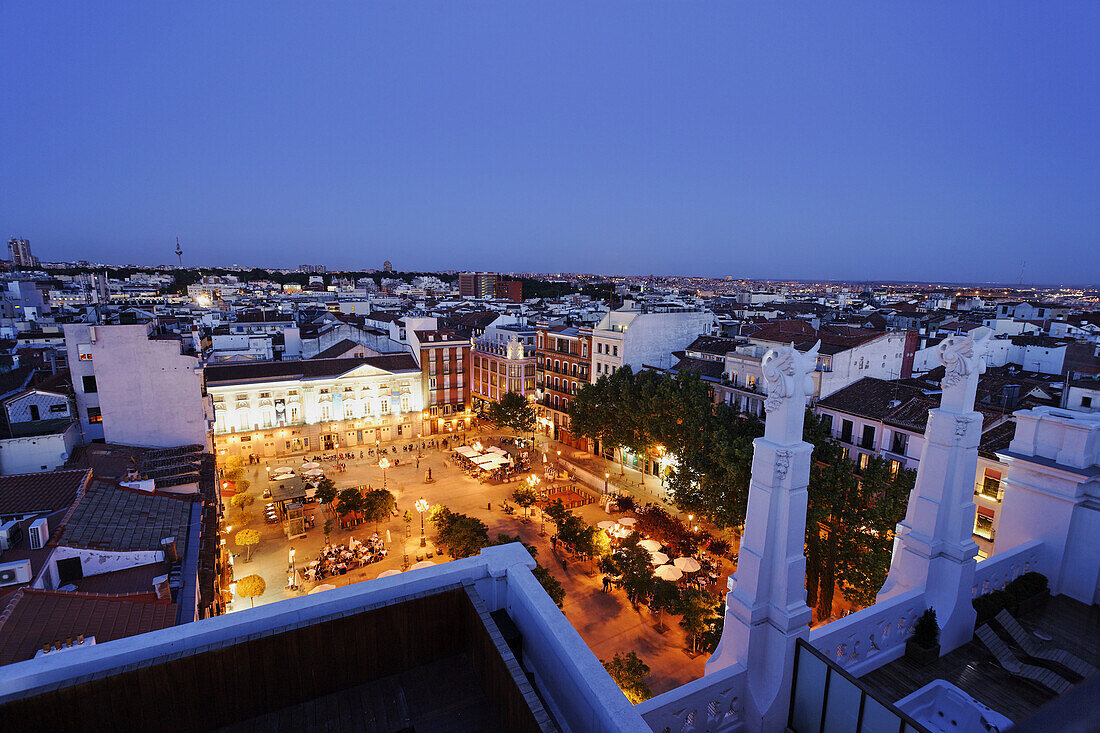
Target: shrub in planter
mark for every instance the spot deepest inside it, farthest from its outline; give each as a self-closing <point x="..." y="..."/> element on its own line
<point x="923" y="647"/>
<point x="1028" y="591"/>
<point x="990" y="604"/>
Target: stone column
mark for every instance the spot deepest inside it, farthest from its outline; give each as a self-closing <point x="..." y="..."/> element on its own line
<point x="934" y="548"/>
<point x="766" y="609"/>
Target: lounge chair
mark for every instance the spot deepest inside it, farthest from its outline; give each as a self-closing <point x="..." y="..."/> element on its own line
<point x="1034" y="648"/>
<point x="1045" y="677"/>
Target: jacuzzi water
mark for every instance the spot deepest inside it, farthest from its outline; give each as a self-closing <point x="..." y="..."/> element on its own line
<point x="943" y="708"/>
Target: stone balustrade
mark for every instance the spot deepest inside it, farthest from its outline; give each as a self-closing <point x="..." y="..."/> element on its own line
<point x="711" y="704"/>
<point x="1001" y="568"/>
<point x="867" y="639"/>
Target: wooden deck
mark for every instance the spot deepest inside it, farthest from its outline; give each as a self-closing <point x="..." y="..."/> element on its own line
<point x="1072" y="626"/>
<point x="443" y="694"/>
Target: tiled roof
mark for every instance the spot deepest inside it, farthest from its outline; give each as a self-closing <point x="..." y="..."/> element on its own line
<point x="714" y="345"/>
<point x="880" y="399"/>
<point x="305" y="369"/>
<point x="336" y="350"/>
<point x="126" y="520"/>
<point x="48" y="491"/>
<point x="35" y="617"/>
<point x="703" y="367"/>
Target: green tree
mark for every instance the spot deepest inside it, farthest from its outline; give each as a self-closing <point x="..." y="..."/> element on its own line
<point x="462" y="535"/>
<point x="629" y="672"/>
<point x="664" y="597"/>
<point x="326" y="491"/>
<point x="698" y="611"/>
<point x="632" y="562"/>
<point x="378" y="506"/>
<point x="514" y="412"/>
<point x="550" y="584"/>
<point x="241" y="502"/>
<point x="349" y="501"/>
<point x="525" y="496"/>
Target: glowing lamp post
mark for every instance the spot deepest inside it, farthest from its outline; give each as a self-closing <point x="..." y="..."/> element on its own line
<point x="384" y="464"/>
<point x="293" y="571"/>
<point x="421" y="507"/>
<point x="606" y="476"/>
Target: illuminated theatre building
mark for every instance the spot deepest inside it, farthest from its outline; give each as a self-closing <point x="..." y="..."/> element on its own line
<point x="283" y="407"/>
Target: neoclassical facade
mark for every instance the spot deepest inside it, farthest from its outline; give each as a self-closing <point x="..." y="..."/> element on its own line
<point x="277" y="408"/>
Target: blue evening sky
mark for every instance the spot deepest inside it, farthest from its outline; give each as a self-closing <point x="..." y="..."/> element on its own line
<point x="934" y="141"/>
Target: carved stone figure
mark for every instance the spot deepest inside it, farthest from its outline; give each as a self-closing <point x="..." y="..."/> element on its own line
<point x="963" y="360"/>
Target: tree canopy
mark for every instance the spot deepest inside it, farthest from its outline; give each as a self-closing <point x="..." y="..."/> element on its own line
<point x="251" y="587"/>
<point x="514" y="412"/>
<point x="629" y="672"/>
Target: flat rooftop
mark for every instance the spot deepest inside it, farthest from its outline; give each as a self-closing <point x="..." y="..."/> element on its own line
<point x="1072" y="626"/>
<point x="433" y="661"/>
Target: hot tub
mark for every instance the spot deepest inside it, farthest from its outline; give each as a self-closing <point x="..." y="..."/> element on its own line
<point x="943" y="708"/>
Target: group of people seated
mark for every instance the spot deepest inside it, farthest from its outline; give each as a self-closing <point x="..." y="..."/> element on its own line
<point x="338" y="559"/>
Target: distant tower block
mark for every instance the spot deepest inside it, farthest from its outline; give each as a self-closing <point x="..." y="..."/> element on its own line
<point x="387" y="266"/>
<point x="179" y="251"/>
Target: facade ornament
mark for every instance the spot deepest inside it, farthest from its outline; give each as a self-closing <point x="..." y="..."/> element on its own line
<point x="782" y="463"/>
<point x="963" y="360"/>
<point x="961" y="424"/>
<point x="785" y="370"/>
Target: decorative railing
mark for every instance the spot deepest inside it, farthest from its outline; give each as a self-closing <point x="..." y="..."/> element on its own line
<point x="713" y="703"/>
<point x="872" y="637"/>
<point x="1001" y="568"/>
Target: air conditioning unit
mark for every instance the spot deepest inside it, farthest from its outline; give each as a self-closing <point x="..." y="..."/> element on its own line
<point x="39" y="532"/>
<point x="10" y="534"/>
<point x="13" y="573"/>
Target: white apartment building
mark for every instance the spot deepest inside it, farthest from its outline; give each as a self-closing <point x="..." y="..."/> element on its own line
<point x="283" y="407"/>
<point x="136" y="387"/>
<point x="645" y="334"/>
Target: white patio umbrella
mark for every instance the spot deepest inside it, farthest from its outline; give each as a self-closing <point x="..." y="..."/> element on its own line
<point x="628" y="521"/>
<point x="315" y="472"/>
<point x="389" y="573"/>
<point x="283" y="472"/>
<point x="651" y="545"/>
<point x="326" y="586"/>
<point x="422" y="564"/>
<point x="658" y="558"/>
<point x="669" y="572"/>
<point x="607" y="524"/>
<point x="309" y="464"/>
<point x="687" y="564"/>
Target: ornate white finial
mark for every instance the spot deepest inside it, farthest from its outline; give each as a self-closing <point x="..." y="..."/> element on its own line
<point x="963" y="360"/>
<point x="788" y="383"/>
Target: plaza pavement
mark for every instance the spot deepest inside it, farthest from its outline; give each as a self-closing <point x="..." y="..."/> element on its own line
<point x="606" y="621"/>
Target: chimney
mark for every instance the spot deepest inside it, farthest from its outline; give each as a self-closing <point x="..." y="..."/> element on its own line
<point x="170" y="553"/>
<point x="160" y="585"/>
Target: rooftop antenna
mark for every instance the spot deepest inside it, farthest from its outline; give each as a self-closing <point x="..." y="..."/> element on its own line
<point x="1023" y="267"/>
<point x="179" y="251"/>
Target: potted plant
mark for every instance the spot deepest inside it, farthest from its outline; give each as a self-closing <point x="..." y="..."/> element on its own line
<point x="923" y="647"/>
<point x="990" y="604"/>
<point x="1029" y="592"/>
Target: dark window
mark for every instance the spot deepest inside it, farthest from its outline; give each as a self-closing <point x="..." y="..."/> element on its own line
<point x="34" y="413"/>
<point x="900" y="443"/>
<point x="69" y="570"/>
<point x="846" y="431"/>
<point x="89" y="385"/>
<point x="868" y="437"/>
<point x="827" y="422"/>
<point x="1086" y="402"/>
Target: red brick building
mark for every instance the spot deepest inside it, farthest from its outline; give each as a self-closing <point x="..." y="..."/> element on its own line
<point x="445" y="362"/>
<point x="564" y="358"/>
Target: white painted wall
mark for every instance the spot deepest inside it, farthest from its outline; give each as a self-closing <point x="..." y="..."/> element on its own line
<point x="39" y="452"/>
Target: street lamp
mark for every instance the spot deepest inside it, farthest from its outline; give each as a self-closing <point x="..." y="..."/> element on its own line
<point x="384" y="464"/>
<point x="421" y="507"/>
<point x="418" y="445"/>
<point x="606" y="476"/>
<point x="293" y="571"/>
